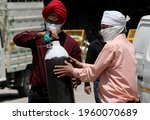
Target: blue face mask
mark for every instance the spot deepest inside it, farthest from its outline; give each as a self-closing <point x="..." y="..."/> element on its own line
<point x="52" y="26"/>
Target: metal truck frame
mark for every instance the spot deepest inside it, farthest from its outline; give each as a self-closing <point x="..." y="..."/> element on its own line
<point x="16" y="62"/>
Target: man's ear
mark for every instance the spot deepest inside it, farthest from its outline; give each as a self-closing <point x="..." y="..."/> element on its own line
<point x="63" y="23"/>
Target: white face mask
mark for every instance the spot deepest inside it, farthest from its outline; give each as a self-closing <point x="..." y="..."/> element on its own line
<point x="109" y="33"/>
<point x="53" y="26"/>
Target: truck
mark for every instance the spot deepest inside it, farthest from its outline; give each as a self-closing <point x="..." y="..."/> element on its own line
<point x="16" y="62"/>
<point x="141" y="42"/>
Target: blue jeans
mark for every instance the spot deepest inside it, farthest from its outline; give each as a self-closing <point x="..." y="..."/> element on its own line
<point x="95" y="86"/>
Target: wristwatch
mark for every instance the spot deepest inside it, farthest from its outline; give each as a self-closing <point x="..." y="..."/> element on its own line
<point x="47" y="36"/>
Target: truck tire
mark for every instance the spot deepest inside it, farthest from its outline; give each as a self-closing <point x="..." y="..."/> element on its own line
<point x="23" y="91"/>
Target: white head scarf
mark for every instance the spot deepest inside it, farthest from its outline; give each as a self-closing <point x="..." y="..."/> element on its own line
<point x="115" y="19"/>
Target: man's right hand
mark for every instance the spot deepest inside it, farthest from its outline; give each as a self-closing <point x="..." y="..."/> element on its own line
<point x="41" y="34"/>
<point x="54" y="34"/>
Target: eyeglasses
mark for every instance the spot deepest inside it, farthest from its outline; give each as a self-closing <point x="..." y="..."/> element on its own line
<point x="54" y="22"/>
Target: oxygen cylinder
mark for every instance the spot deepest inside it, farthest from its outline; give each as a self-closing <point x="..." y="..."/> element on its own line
<point x="60" y="90"/>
